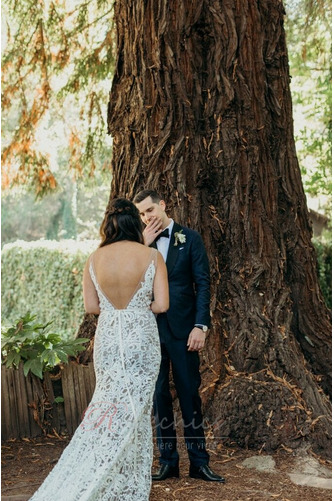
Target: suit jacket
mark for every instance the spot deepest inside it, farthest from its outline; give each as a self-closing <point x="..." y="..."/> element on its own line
<point x="189" y="284"/>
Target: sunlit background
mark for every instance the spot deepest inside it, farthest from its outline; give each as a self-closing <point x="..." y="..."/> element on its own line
<point x="57" y="69"/>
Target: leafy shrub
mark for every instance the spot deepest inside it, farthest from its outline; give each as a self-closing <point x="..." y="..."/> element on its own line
<point x="38" y="349"/>
<point x="45" y="277"/>
<point x="324" y="269"/>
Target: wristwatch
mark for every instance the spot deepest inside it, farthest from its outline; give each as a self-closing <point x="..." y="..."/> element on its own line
<point x="204" y="328"/>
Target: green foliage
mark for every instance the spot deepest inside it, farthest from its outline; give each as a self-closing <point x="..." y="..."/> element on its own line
<point x="324" y="269"/>
<point x="58" y="64"/>
<point x="38" y="349"/>
<point x="45" y="277"/>
<point x="308" y="27"/>
<point x="57" y="68"/>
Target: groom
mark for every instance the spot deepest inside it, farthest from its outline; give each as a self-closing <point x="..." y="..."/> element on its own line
<point x="182" y="333"/>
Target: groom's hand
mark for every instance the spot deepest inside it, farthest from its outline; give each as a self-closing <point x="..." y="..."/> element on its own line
<point x="152" y="230"/>
<point x="196" y="339"/>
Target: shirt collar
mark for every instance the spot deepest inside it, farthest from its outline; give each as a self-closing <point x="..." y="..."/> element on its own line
<point x="170" y="227"/>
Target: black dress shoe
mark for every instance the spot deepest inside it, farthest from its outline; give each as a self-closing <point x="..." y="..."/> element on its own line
<point x="166" y="471"/>
<point x="205" y="473"/>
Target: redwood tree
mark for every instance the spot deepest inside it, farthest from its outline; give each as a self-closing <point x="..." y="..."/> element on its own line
<point x="200" y="109"/>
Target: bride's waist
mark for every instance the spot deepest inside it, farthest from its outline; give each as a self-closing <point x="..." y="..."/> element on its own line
<point x="126" y="311"/>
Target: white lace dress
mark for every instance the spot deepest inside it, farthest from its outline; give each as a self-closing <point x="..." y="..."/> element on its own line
<point x="110" y="455"/>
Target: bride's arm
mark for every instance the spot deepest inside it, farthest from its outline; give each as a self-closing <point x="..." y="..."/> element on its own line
<point x="91" y="300"/>
<point x="160" y="303"/>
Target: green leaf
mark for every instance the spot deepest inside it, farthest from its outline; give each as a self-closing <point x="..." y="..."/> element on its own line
<point x="53" y="338"/>
<point x="35" y="366"/>
<point x="58" y="400"/>
<point x="29" y="353"/>
<point x="50" y="358"/>
<point x="80" y="340"/>
<point x="13" y="359"/>
<point x="62" y="355"/>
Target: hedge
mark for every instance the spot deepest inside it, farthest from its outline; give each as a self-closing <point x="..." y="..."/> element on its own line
<point x="324" y="269"/>
<point x="45" y="278"/>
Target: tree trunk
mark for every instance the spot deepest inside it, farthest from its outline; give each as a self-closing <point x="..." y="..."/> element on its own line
<point x="200" y="109"/>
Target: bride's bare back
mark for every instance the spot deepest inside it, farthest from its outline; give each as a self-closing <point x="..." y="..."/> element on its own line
<point x="119" y="269"/>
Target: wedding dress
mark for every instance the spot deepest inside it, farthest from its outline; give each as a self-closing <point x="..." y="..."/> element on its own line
<point x="110" y="455"/>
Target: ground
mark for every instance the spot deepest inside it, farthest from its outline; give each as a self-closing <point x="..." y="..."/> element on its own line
<point x="26" y="462"/>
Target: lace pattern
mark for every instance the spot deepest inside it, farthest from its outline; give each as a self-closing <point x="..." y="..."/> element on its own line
<point x="110" y="455"/>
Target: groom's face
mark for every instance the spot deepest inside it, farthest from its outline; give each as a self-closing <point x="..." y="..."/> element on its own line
<point x="150" y="210"/>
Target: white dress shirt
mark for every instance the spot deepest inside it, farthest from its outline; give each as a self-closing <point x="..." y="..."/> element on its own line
<point x="163" y="242"/>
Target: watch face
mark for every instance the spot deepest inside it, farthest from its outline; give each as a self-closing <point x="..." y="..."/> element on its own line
<point x="205" y="328"/>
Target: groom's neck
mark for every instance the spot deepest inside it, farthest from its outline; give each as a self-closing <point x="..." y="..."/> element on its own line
<point x="166" y="223"/>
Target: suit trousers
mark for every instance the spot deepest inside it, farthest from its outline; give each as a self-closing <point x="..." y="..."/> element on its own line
<point x="187" y="379"/>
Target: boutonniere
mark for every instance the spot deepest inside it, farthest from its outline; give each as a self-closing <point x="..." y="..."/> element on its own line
<point x="179" y="238"/>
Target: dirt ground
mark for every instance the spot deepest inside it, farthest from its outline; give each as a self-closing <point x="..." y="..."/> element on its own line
<point x="26" y="462"/>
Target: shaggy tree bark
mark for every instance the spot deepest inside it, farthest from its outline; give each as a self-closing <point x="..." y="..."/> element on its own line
<point x="200" y="109"/>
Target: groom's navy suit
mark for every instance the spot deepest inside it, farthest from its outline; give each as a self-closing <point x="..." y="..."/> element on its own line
<point x="189" y="291"/>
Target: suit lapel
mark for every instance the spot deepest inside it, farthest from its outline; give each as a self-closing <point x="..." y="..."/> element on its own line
<point x="173" y="250"/>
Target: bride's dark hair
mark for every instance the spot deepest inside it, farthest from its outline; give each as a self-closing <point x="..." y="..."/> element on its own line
<point x="121" y="222"/>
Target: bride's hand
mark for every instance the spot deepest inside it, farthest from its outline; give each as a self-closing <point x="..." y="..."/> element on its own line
<point x="152" y="230"/>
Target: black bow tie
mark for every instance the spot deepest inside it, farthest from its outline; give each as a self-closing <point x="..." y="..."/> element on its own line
<point x="164" y="233"/>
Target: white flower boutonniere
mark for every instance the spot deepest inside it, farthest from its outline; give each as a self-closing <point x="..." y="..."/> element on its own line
<point x="179" y="238"/>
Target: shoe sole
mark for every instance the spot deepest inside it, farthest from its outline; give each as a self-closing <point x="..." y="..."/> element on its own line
<point x="206" y="479"/>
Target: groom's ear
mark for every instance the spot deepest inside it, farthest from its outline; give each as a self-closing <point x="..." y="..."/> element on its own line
<point x="162" y="204"/>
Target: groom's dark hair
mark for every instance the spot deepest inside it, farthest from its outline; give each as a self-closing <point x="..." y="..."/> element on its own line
<point x="147" y="193"/>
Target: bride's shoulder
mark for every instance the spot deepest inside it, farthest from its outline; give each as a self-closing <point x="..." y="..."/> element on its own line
<point x="90" y="258"/>
<point x="144" y="253"/>
<point x="100" y="254"/>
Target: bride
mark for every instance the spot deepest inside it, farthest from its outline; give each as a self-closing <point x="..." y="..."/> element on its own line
<point x="110" y="455"/>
